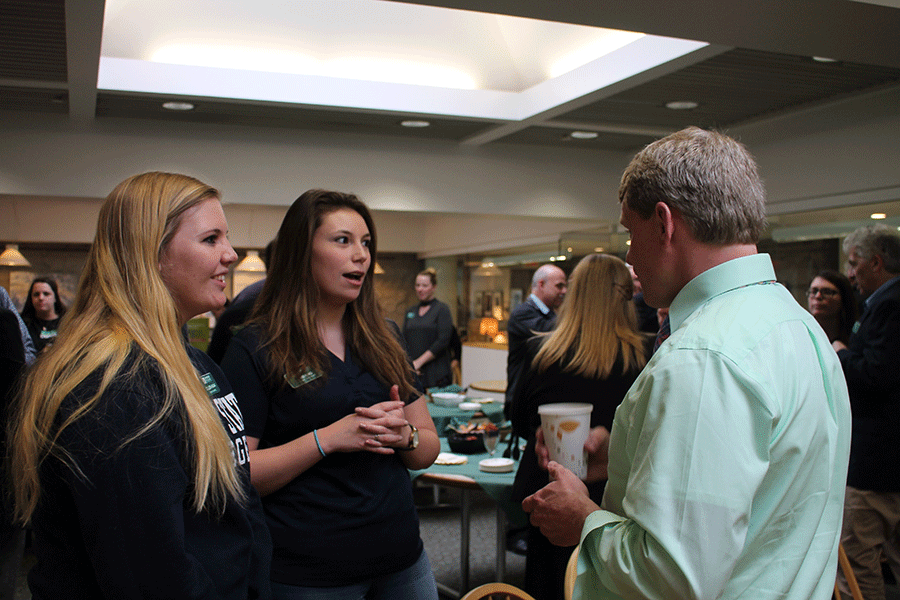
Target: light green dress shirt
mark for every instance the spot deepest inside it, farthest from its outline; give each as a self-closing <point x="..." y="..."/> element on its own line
<point x="728" y="456"/>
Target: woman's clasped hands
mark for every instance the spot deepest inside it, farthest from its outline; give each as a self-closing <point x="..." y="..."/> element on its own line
<point x="378" y="428"/>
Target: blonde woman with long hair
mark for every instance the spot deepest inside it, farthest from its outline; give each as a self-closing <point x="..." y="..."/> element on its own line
<point x="127" y="451"/>
<point x="334" y="421"/>
<point x="593" y="355"/>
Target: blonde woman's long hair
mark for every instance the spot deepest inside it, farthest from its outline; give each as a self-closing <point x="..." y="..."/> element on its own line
<point x="121" y="302"/>
<point x="288" y="303"/>
<point x="597" y="323"/>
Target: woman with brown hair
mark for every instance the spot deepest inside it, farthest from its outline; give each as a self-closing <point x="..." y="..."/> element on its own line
<point x="832" y="302"/>
<point x="428" y="331"/>
<point x="334" y="421"/>
<point x="593" y="355"/>
<point x="128" y="454"/>
<point x="43" y="311"/>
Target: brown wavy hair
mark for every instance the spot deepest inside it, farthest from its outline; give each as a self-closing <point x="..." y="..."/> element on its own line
<point x="288" y="303"/>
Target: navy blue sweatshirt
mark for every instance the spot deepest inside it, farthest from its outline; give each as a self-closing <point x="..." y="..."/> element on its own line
<point x="123" y="527"/>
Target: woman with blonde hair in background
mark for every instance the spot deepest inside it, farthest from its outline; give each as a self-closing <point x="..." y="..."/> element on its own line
<point x="128" y="454"/>
<point x="334" y="421"/>
<point x="593" y="355"/>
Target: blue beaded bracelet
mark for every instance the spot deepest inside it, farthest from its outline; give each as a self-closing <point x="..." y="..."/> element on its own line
<point x="318" y="445"/>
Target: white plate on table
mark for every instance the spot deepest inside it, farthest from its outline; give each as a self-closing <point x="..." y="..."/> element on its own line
<point x="469" y="406"/>
<point x="496" y="465"/>
<point x="447" y="398"/>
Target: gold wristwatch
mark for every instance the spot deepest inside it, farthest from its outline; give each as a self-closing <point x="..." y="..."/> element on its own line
<point x="413" y="438"/>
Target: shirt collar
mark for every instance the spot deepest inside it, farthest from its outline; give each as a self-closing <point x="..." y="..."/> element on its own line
<point x="722" y="278"/>
<point x="541" y="306"/>
<point x="881" y="289"/>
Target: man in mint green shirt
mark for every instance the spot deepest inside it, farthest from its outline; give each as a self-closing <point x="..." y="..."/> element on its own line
<point x="727" y="460"/>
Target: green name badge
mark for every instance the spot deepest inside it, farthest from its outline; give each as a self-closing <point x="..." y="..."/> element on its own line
<point x="304" y="378"/>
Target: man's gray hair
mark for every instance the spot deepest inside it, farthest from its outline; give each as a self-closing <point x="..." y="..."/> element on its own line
<point x="710" y="179"/>
<point x="870" y="240"/>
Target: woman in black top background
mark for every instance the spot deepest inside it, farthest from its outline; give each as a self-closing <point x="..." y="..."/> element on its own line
<point x="43" y="311"/>
<point x="428" y="329"/>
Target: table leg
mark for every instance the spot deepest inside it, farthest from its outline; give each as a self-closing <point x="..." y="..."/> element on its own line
<point x="464" y="540"/>
<point x="501" y="543"/>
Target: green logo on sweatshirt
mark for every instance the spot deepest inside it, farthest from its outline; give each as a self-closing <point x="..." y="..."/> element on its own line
<point x="212" y="388"/>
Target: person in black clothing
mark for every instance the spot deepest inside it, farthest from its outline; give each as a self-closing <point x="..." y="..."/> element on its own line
<point x="871" y="364"/>
<point x="593" y="355"/>
<point x="428" y="330"/>
<point x="7" y="303"/>
<point x="128" y="453"/>
<point x="646" y="315"/>
<point x="12" y="536"/>
<point x="334" y="420"/>
<point x="42" y="312"/>
<point x="536" y="314"/>
<point x="236" y="313"/>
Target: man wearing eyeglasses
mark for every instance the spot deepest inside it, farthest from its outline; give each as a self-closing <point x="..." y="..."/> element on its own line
<point x="871" y="363"/>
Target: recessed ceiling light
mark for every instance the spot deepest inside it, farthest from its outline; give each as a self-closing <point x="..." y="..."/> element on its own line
<point x="583" y="135"/>
<point x="414" y="123"/>
<point x="823" y="59"/>
<point x="178" y="106"/>
<point x="598" y="249"/>
<point x="682" y="105"/>
<point x="878" y="216"/>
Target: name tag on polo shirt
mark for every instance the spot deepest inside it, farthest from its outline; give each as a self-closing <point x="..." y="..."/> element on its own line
<point x="304" y="378"/>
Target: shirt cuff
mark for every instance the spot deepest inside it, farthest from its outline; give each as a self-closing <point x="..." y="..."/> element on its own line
<point x="597" y="520"/>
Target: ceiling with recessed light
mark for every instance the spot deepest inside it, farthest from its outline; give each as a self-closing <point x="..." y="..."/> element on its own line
<point x="479" y="72"/>
<point x="476" y="77"/>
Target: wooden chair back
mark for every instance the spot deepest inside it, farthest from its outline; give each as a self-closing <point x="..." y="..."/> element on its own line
<point x="497" y="591"/>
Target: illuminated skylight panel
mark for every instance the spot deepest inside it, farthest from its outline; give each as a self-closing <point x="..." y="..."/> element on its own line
<point x="389" y="56"/>
<point x="610" y="41"/>
<point x="368" y="40"/>
<point x="274" y="60"/>
<point x="232" y="56"/>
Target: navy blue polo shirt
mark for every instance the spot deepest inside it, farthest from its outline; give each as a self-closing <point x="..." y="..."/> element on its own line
<point x="351" y="516"/>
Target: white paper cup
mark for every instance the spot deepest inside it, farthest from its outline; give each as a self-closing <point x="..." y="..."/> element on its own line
<point x="566" y="426"/>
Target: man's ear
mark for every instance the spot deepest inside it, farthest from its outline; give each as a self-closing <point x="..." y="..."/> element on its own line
<point x="665" y="221"/>
<point x="877" y="263"/>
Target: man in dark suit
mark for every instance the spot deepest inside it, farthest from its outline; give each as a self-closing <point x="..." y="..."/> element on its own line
<point x="871" y="363"/>
<point x="537" y="313"/>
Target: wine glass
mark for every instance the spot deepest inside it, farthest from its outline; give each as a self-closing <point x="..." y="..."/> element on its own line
<point x="490" y="437"/>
